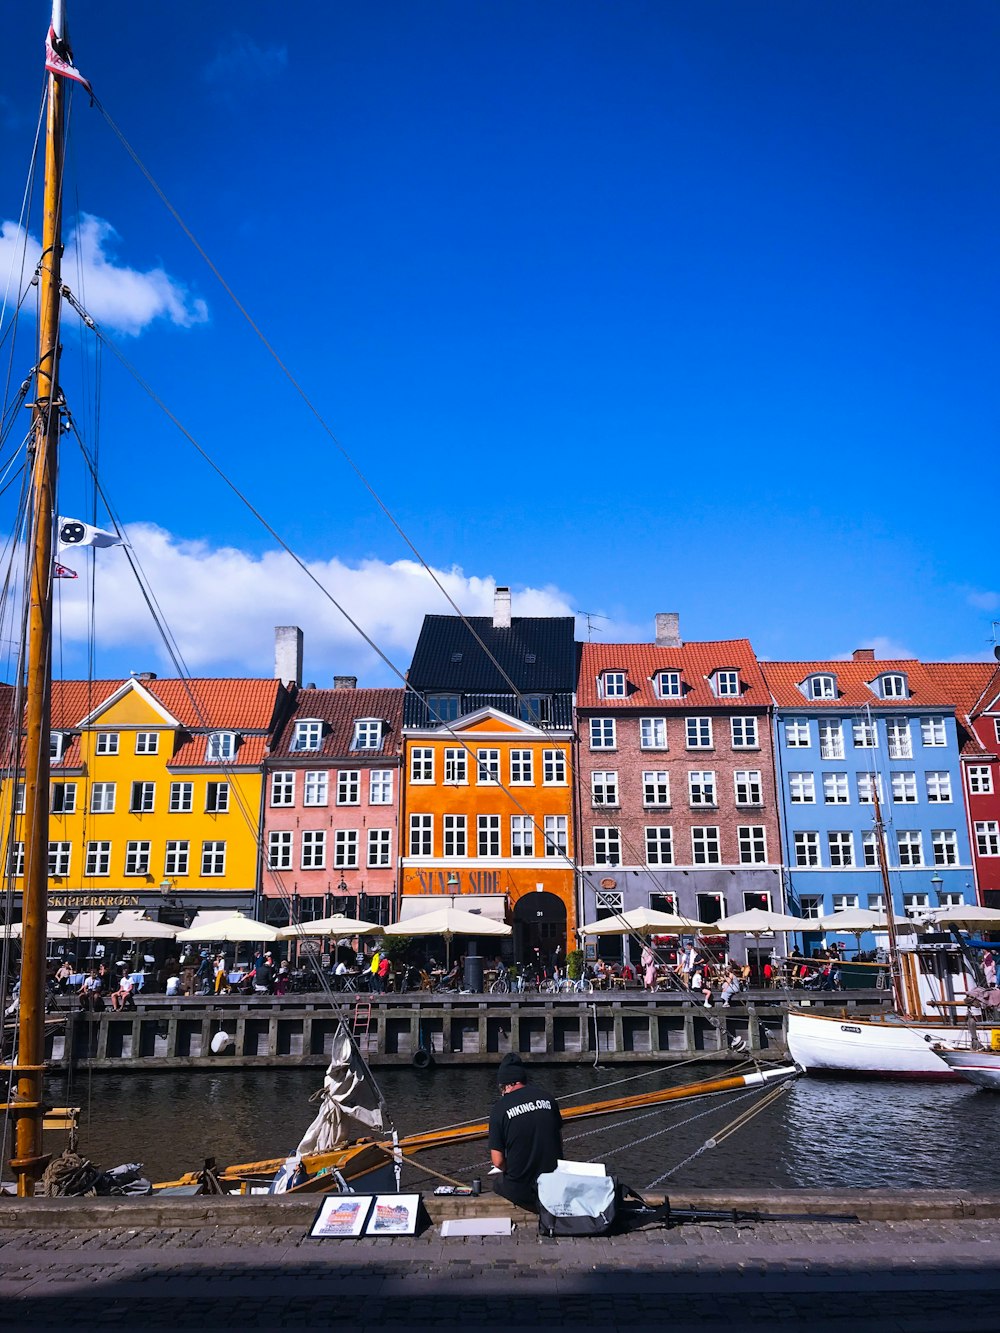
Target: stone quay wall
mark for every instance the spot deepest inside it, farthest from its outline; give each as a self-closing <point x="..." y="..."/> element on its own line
<point x="295" y="1030"/>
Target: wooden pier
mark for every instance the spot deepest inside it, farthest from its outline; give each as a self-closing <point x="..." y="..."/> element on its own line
<point x="266" y="1032"/>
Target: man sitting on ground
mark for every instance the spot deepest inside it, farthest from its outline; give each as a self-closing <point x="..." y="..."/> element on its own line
<point x="525" y="1134"/>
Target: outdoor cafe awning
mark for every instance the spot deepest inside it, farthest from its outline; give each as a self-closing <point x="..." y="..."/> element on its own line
<point x="490" y="905"/>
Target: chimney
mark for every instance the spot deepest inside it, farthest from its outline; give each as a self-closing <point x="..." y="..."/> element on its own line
<point x="668" y="629"/>
<point x="288" y="654"/>
<point x="345" y="682"/>
<point x="146" y="675"/>
<point x="863" y="655"/>
<point x="501" y="608"/>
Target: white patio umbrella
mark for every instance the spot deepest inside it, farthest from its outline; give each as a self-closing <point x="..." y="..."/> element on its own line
<point x="970" y="915"/>
<point x="54" y="930"/>
<point x="336" y="926"/>
<point x="448" y="922"/>
<point x="757" y="921"/>
<point x="133" y="925"/>
<point x="235" y="929"/>
<point x="645" y="921"/>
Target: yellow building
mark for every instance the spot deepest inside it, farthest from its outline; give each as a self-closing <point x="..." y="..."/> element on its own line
<point x="156" y="792"/>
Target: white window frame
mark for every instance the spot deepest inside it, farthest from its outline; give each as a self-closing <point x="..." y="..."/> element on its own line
<point x="280" y="849"/>
<point x="217" y="798"/>
<point x="806" y="849"/>
<point x="181" y="798"/>
<point x="702" y="788"/>
<point x="367" y="733"/>
<point x="98" y="861"/>
<point x="421" y="765"/>
<point x="522" y="835"/>
<point x="607" y="845"/>
<point x="142" y="798"/>
<point x="488" y="835"/>
<point x="748" y="787"/>
<point x="864" y="734"/>
<point x="669" y="685"/>
<point x="938" y="783"/>
<point x="213" y="858"/>
<point x="893" y="685"/>
<point x="137" y="854"/>
<point x="102" y="798"/>
<point x="831" y="738"/>
<point x="823" y="685"/>
<point x="106" y="743"/>
<point x="220" y="747"/>
<point x="705" y="845"/>
<point x="380" y="784"/>
<point x="797" y="734"/>
<point x="316" y="788"/>
<point x="346" y="849"/>
<point x="60" y="859"/>
<point x="379" y="853"/>
<point x="727" y="684"/>
<point x="698" y="733"/>
<point x="868" y="784"/>
<point x="869" y="849"/>
<point x="65" y="802"/>
<point x="283" y="788"/>
<point x="743" y="732"/>
<point x="556" y="833"/>
<point x="614" y="684"/>
<point x="177" y="857"/>
<point x="933" y="732"/>
<point x="802" y="787"/>
<point x="900" y="739"/>
<point x="313" y="849"/>
<point x="553" y="768"/>
<point x="840" y="849"/>
<point x="147" y="742"/>
<point x="944" y="847"/>
<point x="752" y="843"/>
<point x="522" y="768"/>
<point x="454" y="835"/>
<point x="836" y="789"/>
<point x="987" y="835"/>
<point x="487" y="767"/>
<point x="348" y="786"/>
<point x="603" y="733"/>
<point x="307" y="736"/>
<point x="655" y="787"/>
<point x="844" y="902"/>
<point x="910" y="848"/>
<point x="456" y="766"/>
<point x="653" y="733"/>
<point x="421" y="835"/>
<point x="916" y="902"/>
<point x="904" y="787"/>
<point x="980" y="780"/>
<point x="659" y="845"/>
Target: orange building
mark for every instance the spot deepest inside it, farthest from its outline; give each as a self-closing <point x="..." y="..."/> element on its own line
<point x="487" y="812"/>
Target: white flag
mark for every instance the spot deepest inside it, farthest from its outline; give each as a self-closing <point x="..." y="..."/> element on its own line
<point x="74" y="532"/>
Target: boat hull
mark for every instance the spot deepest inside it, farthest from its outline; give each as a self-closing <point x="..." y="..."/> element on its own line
<point x="979" y="1067"/>
<point x="873" y="1048"/>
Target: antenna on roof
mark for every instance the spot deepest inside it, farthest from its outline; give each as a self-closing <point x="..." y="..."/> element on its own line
<point x="591" y="616"/>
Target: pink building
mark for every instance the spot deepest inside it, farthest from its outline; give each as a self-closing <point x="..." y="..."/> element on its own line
<point x="331" y="806"/>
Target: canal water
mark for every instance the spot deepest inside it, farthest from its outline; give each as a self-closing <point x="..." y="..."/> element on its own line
<point x="820" y="1133"/>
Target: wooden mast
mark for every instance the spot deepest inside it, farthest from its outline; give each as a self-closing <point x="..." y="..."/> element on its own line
<point x="895" y="969"/>
<point x="29" y="1161"/>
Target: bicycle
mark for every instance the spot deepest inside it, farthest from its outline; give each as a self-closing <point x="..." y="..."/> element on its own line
<point x="581" y="986"/>
<point x="501" y="986"/>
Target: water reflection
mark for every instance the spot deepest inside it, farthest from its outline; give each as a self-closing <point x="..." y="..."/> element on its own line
<point x="819" y="1134"/>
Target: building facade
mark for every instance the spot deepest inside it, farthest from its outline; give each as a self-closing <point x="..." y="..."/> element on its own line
<point x="155" y="792"/>
<point x="677" y="807"/>
<point x="846" y="729"/>
<point x="488" y="773"/>
<point x="331" y="806"/>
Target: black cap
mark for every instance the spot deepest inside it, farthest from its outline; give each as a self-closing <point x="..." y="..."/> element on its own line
<point x="511" y="1070"/>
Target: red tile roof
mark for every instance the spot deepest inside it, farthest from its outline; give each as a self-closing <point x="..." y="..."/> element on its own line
<point x="969" y="685"/>
<point x="338" y="710"/>
<point x="853" y="690"/>
<point x="199" y="704"/>
<point x="695" y="661"/>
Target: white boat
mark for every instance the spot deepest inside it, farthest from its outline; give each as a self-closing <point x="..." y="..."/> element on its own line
<point x="979" y="1067"/>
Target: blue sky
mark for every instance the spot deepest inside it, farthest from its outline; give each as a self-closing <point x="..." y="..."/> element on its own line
<point x="635" y="307"/>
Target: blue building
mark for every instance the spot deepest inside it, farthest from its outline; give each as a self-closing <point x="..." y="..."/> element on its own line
<point x="843" y="730"/>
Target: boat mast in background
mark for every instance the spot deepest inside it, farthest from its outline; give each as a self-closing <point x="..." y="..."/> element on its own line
<point x="895" y="968"/>
<point x="28" y="1107"/>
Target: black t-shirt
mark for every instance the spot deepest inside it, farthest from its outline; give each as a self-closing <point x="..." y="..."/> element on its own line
<point x="525" y="1125"/>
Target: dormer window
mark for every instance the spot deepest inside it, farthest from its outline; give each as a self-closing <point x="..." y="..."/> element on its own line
<point x="615" y="684"/>
<point x="892" y="686"/>
<point x="220" y="747"/>
<point x="308" y="734"/>
<point x="668" y="684"/>
<point x="57" y="744"/>
<point x="536" y="708"/>
<point x="727" y="684"/>
<point x="444" y="707"/>
<point x="367" y="734"/>
<point x="821" y="687"/>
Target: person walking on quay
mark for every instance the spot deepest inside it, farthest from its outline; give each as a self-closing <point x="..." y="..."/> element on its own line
<point x="525" y="1135"/>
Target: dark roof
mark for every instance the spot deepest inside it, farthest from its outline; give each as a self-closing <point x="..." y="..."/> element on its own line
<point x="537" y="653"/>
<point x="338" y="710"/>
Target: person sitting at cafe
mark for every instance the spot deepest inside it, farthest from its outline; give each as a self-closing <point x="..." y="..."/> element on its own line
<point x="90" y="992"/>
<point x="63" y="974"/>
<point x="125" y="994"/>
<point x="730" y="986"/>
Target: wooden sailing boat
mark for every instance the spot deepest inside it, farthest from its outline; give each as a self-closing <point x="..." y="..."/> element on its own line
<point x="930" y="983"/>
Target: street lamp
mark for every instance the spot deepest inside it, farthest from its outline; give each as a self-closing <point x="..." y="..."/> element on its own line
<point x="936" y="882"/>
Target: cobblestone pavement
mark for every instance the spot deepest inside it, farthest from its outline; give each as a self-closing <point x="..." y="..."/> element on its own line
<point x="921" y="1277"/>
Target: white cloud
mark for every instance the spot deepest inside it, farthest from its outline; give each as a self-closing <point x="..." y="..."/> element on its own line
<point x="983" y="601"/>
<point x="222" y="605"/>
<point x="118" y="297"/>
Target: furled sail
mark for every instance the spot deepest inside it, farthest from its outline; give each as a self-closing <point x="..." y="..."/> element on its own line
<point x="350" y="1103"/>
